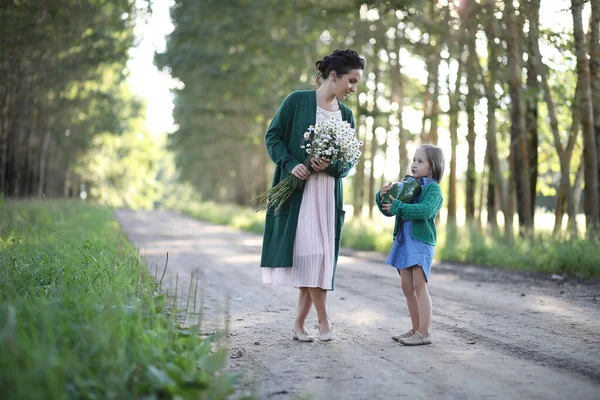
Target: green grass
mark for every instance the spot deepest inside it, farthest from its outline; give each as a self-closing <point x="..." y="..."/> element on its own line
<point x="574" y="257"/>
<point x="81" y="318"/>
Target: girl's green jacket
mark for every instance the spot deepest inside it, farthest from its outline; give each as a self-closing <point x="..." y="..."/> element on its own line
<point x="423" y="213"/>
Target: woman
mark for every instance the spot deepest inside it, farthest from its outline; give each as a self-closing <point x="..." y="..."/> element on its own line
<point x="301" y="242"/>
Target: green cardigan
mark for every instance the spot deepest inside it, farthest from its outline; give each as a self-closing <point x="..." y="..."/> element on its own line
<point x="423" y="213"/>
<point x="283" y="140"/>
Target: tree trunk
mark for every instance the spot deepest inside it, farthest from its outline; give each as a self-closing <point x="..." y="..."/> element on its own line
<point x="453" y="113"/>
<point x="595" y="76"/>
<point x="573" y="207"/>
<point x="495" y="181"/>
<point x="532" y="99"/>
<point x="431" y="103"/>
<point x="398" y="98"/>
<point x="519" y="153"/>
<point x="43" y="159"/>
<point x="403" y="153"/>
<point x="374" y="141"/>
<point x="4" y="141"/>
<point x="536" y="67"/>
<point x="263" y="181"/>
<point x="239" y="182"/>
<point x="467" y="19"/>
<point x="359" y="177"/>
<point x="471" y="176"/>
<point x="482" y="195"/>
<point x="565" y="194"/>
<point x="509" y="215"/>
<point x="371" y="188"/>
<point x="590" y="155"/>
<point x="384" y="148"/>
<point x="9" y="109"/>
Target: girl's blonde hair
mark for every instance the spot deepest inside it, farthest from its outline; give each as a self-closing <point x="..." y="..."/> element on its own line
<point x="435" y="157"/>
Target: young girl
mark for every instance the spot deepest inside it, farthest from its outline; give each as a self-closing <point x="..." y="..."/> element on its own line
<point x="414" y="240"/>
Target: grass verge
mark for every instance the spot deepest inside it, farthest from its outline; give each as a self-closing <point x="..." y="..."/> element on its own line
<point x="571" y="256"/>
<point x="81" y="318"/>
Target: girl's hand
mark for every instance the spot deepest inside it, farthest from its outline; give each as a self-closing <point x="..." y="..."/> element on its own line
<point x="319" y="164"/>
<point x="388" y="206"/>
<point x="301" y="172"/>
<point x="385" y="189"/>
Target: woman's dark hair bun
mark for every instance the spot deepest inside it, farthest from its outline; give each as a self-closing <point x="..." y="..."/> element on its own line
<point x="323" y="64"/>
<point x="340" y="61"/>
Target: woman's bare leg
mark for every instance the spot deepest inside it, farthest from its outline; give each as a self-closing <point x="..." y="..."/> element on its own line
<point x="406" y="280"/>
<point x="424" y="300"/>
<point x="304" y="306"/>
<point x="319" y="299"/>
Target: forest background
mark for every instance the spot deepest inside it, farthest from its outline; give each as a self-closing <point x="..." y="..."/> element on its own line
<point x="509" y="89"/>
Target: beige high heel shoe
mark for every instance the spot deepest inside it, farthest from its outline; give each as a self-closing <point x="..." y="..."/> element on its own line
<point x="302" y="337"/>
<point x="326" y="337"/>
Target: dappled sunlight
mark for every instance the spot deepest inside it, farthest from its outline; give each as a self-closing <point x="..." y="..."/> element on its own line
<point x="346" y="261"/>
<point x="242" y="259"/>
<point x="251" y="242"/>
<point x="498" y="300"/>
<point x="439" y="276"/>
<point x="362" y="317"/>
<point x="179" y="244"/>
<point x="561" y="308"/>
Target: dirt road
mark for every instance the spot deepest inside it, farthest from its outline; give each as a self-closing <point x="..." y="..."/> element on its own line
<point x="496" y="334"/>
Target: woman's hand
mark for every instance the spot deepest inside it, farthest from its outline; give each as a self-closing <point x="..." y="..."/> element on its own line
<point x="385" y="189"/>
<point x="319" y="164"/>
<point x="388" y="206"/>
<point x="301" y="172"/>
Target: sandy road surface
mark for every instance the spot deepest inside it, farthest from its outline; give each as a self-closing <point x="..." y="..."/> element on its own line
<point x="496" y="335"/>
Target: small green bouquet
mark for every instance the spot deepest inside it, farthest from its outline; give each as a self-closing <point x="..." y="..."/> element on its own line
<point x="405" y="190"/>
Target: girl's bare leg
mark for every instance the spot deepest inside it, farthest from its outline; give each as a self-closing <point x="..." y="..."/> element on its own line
<point x="406" y="279"/>
<point x="319" y="299"/>
<point x="304" y="306"/>
<point x="423" y="298"/>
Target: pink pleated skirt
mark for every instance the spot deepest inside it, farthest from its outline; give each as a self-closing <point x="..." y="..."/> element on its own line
<point x="314" y="246"/>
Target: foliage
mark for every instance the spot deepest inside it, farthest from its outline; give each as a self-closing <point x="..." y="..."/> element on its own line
<point x="81" y="318"/>
<point x="133" y="170"/>
<point x="61" y="73"/>
<point x="237" y="61"/>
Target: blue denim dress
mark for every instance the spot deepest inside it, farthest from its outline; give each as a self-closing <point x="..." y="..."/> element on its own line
<point x="407" y="251"/>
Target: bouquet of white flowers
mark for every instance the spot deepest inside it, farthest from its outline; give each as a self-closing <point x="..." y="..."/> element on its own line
<point x="329" y="140"/>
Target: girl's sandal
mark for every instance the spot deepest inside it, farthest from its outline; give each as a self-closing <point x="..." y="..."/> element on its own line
<point x="418" y="339"/>
<point x="403" y="336"/>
